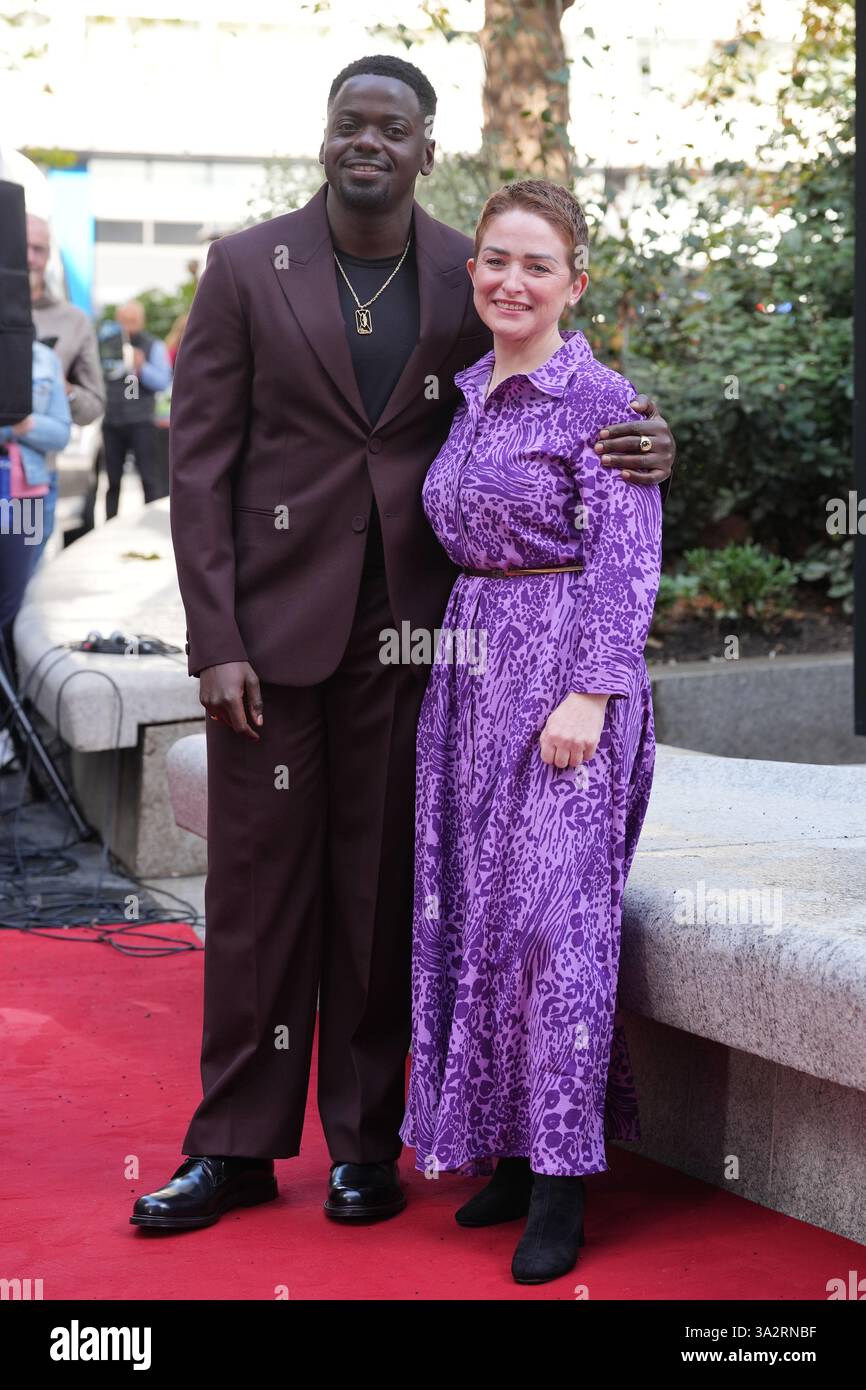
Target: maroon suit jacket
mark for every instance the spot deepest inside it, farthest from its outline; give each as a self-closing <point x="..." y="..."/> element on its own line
<point x="265" y="412"/>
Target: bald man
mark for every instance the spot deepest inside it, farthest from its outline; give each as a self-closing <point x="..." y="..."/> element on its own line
<point x="129" y="425"/>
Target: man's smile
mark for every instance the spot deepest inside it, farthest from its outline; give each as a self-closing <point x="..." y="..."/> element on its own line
<point x="365" y="168"/>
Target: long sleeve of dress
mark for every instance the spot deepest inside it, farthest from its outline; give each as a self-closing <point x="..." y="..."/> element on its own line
<point x="621" y="522"/>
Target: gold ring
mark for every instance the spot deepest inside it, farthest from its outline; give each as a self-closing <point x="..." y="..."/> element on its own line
<point x="645" y="443"/>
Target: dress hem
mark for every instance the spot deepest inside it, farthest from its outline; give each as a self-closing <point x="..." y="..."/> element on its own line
<point x="481" y="1163"/>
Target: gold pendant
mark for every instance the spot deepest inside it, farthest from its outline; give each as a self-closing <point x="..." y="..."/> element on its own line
<point x="363" y="321"/>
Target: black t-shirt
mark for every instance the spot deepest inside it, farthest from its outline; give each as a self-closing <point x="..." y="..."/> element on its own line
<point x="379" y="357"/>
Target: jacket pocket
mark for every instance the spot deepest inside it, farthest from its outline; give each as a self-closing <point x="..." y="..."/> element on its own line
<point x="36" y="469"/>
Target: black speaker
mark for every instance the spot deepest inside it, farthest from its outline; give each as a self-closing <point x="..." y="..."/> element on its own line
<point x="16" y="322"/>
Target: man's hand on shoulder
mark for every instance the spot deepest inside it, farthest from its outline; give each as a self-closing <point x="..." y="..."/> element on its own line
<point x="619" y="445"/>
<point x="231" y="694"/>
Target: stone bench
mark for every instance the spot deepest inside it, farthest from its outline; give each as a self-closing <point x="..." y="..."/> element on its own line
<point x="743" y="981"/>
<point x="743" y="975"/>
<point x="118" y="714"/>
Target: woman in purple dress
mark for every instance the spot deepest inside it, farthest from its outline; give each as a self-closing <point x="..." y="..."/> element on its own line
<point x="535" y="752"/>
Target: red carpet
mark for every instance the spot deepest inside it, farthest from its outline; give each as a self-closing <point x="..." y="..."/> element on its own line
<point x="100" y="1063"/>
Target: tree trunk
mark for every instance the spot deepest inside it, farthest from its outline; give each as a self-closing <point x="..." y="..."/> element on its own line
<point x="526" y="104"/>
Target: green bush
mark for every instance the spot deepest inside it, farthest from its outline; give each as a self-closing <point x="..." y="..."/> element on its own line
<point x="741" y="581"/>
<point x="674" y="589"/>
<point x="738" y="319"/>
<point x="831" y="562"/>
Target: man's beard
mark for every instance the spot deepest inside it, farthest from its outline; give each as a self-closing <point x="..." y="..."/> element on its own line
<point x="364" y="196"/>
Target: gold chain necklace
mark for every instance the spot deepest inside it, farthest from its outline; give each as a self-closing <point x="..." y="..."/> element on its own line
<point x="363" y="317"/>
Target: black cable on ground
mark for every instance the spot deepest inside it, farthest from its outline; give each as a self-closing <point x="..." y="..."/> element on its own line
<point x="90" y="916"/>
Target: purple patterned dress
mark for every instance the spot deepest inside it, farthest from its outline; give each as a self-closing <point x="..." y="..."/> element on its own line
<point x="520" y="866"/>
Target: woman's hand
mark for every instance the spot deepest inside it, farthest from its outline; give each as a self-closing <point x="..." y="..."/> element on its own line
<point x="571" y="734"/>
<point x="23" y="427"/>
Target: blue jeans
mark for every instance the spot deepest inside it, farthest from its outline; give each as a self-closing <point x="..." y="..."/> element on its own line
<point x="18" y="560"/>
<point x="49" y="506"/>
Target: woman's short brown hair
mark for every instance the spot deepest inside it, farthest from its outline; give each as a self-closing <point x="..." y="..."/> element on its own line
<point x="548" y="200"/>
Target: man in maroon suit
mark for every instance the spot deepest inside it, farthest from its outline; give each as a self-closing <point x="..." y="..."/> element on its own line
<point x="313" y="389"/>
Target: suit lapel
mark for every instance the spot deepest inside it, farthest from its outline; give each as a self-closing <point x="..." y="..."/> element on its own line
<point x="310" y="287"/>
<point x="309" y="284"/>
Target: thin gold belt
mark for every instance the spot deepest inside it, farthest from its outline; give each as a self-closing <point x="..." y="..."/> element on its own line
<point x="510" y="573"/>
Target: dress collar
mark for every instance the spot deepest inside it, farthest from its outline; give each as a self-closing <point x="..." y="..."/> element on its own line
<point x="552" y="376"/>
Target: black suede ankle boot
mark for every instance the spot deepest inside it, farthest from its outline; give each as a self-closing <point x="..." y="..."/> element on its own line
<point x="554" y="1230"/>
<point x="505" y="1197"/>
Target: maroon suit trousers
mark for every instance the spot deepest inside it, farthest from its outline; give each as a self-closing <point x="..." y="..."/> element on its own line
<point x="309" y="891"/>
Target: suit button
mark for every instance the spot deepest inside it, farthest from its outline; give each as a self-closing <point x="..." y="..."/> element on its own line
<point x="374" y="444"/>
<point x="359" y="523"/>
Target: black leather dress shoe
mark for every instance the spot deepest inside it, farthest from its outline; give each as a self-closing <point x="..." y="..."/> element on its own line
<point x="364" y="1192"/>
<point x="202" y="1189"/>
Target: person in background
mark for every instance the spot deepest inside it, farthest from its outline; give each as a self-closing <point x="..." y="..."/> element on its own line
<point x="72" y="335"/>
<point x="70" y="327"/>
<point x="26" y="450"/>
<point x="129" y="425"/>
